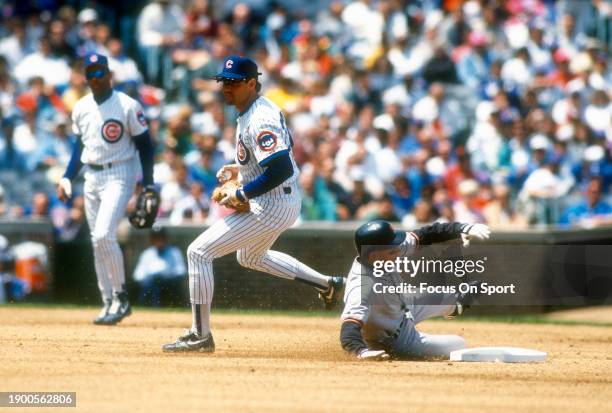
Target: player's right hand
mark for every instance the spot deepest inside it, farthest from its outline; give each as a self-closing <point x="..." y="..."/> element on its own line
<point x="227" y="173"/>
<point x="64" y="189"/>
<point x="373" y="355"/>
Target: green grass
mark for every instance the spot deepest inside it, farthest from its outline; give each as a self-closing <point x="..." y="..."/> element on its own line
<point x="511" y="319"/>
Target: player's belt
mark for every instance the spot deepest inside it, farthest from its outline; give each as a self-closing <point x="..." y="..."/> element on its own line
<point x="102" y="167"/>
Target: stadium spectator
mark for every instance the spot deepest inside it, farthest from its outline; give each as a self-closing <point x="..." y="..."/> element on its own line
<point x="126" y="76"/>
<point x="177" y="188"/>
<point x="40" y="208"/>
<point x="591" y="212"/>
<point x="160" y="272"/>
<point x="191" y="208"/>
<point x="42" y="63"/>
<point x="318" y="202"/>
<point x="69" y="222"/>
<point x="159" y="29"/>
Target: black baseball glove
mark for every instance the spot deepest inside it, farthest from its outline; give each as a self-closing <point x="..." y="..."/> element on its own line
<point x="146" y="209"/>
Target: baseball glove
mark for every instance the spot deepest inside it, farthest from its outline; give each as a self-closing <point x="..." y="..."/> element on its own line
<point x="232" y="185"/>
<point x="147" y="205"/>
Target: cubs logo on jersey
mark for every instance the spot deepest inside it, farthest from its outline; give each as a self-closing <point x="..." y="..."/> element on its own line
<point x="112" y="130"/>
<point x="267" y="141"/>
<point x="242" y="153"/>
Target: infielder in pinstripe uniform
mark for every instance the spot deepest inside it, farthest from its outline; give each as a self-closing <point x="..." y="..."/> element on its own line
<point x="268" y="172"/>
<point x="112" y="132"/>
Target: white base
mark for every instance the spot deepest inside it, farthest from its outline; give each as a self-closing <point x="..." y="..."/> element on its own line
<point x="498" y="354"/>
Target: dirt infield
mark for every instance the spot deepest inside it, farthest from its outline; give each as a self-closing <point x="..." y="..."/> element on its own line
<point x="290" y="363"/>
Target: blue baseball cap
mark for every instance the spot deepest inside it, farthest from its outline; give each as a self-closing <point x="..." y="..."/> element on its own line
<point x="238" y="68"/>
<point x="95" y="59"/>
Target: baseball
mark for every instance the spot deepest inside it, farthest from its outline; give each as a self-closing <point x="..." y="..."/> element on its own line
<point x="227" y="175"/>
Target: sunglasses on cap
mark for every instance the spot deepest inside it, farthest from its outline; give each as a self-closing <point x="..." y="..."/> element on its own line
<point x="96" y="74"/>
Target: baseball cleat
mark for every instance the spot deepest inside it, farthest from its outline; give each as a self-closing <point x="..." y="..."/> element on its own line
<point x="119" y="309"/>
<point x="465" y="300"/>
<point x="103" y="312"/>
<point x="191" y="342"/>
<point x="331" y="295"/>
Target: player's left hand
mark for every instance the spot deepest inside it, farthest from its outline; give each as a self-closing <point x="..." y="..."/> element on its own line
<point x="475" y="231"/>
<point x="231" y="197"/>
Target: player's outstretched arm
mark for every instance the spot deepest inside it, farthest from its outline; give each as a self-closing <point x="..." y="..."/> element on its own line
<point x="352" y="342"/>
<point x="441" y="232"/>
<point x="64" y="187"/>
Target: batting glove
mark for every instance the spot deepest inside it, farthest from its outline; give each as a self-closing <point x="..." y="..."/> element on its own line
<point x="227" y="172"/>
<point x="474" y="231"/>
<point x="66" y="186"/>
<point x="236" y="195"/>
<point x="373" y="355"/>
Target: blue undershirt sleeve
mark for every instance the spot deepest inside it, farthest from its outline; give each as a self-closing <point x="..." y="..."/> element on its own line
<point x="278" y="169"/>
<point x="144" y="144"/>
<point x="75" y="164"/>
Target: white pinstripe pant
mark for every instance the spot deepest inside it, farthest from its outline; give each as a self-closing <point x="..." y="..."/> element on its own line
<point x="107" y="193"/>
<point x="251" y="235"/>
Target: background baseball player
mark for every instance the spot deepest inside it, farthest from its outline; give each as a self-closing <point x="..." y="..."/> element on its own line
<point x="268" y="172"/>
<point x="375" y="329"/>
<point x="112" y="131"/>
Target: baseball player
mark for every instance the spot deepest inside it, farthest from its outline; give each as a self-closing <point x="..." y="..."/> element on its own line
<point x="112" y="135"/>
<point x="375" y="329"/>
<point x="268" y="173"/>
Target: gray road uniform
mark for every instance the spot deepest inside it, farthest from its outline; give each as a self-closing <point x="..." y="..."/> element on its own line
<point x="388" y="321"/>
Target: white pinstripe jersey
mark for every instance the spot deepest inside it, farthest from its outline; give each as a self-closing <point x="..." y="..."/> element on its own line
<point x="106" y="129"/>
<point x="262" y="134"/>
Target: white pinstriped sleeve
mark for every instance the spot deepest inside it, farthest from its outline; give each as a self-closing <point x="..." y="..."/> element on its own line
<point x="268" y="137"/>
<point x="137" y="123"/>
<point x="75" y="121"/>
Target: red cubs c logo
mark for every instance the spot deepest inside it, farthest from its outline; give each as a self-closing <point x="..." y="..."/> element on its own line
<point x="242" y="153"/>
<point x="112" y="131"/>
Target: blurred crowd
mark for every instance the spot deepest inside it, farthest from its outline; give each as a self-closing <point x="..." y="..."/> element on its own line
<point x="407" y="110"/>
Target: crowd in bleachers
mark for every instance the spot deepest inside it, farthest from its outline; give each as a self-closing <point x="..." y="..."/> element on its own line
<point x="408" y="110"/>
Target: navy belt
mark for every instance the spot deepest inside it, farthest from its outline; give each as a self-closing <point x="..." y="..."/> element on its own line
<point x="100" y="167"/>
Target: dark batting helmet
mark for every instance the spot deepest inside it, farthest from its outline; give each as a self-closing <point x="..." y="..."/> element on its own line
<point x="377" y="233"/>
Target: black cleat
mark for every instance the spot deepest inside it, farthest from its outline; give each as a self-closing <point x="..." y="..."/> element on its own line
<point x="119" y="309"/>
<point x="191" y="342"/>
<point x="465" y="300"/>
<point x="103" y="312"/>
<point x="332" y="294"/>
